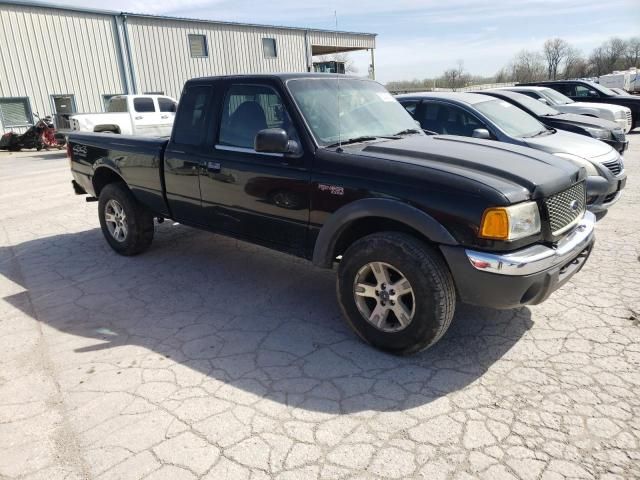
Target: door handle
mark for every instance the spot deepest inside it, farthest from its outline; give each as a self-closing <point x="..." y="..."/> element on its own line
<point x="164" y="116"/>
<point x="138" y="118"/>
<point x="213" y="167"/>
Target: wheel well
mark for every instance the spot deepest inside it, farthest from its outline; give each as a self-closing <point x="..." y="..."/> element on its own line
<point x="366" y="226"/>
<point x="107" y="128"/>
<point x="103" y="177"/>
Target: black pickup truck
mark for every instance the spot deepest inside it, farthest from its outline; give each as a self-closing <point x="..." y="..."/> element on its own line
<point x="333" y="169"/>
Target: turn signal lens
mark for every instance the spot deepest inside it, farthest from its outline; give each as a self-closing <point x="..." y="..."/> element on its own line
<point x="510" y="223"/>
<point x="495" y="224"/>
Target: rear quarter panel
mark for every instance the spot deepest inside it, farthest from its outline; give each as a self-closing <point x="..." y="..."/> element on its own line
<point x="136" y="160"/>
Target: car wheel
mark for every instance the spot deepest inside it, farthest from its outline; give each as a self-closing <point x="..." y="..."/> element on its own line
<point x="126" y="225"/>
<point x="396" y="292"/>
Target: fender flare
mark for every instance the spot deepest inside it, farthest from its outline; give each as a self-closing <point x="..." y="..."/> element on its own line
<point x="101" y="165"/>
<point x="375" y="207"/>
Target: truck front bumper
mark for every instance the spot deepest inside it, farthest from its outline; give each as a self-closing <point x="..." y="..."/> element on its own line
<point x="524" y="277"/>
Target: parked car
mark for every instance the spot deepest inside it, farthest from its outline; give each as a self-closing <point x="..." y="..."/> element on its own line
<point x="608" y="132"/>
<point x="413" y="222"/>
<point x="141" y="115"/>
<point x="481" y="116"/>
<point x="589" y="92"/>
<point x="562" y="103"/>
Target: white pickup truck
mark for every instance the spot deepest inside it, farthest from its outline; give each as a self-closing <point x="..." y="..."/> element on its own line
<point x="142" y="115"/>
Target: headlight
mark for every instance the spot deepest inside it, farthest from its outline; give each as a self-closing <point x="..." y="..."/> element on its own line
<point x="620" y="114"/>
<point x="510" y="223"/>
<point x="581" y="162"/>
<point x="599" y="133"/>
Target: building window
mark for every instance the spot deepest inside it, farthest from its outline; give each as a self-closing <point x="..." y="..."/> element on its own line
<point x="63" y="104"/>
<point x="269" y="48"/>
<point x="198" y="46"/>
<point x="143" y="105"/>
<point x="15" y="112"/>
<point x="158" y="92"/>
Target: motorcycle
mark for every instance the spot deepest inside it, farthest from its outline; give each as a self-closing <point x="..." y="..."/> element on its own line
<point x="40" y="135"/>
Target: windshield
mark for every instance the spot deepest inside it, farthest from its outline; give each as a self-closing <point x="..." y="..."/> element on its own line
<point x="342" y="109"/>
<point x="536" y="106"/>
<point x="602" y="89"/>
<point x="510" y="119"/>
<point x="554" y="97"/>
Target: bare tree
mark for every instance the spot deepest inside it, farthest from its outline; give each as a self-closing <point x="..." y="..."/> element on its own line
<point x="528" y="66"/>
<point x="555" y="51"/>
<point x="632" y="53"/>
<point x="455" y="77"/>
<point x="341" y="57"/>
<point x="575" y="66"/>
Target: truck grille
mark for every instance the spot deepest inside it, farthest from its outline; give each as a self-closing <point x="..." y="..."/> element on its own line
<point x="566" y="208"/>
<point x="615" y="166"/>
<point x="629" y="118"/>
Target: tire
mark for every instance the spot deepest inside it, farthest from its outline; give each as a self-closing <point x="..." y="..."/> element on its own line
<point x="136" y="231"/>
<point x="431" y="302"/>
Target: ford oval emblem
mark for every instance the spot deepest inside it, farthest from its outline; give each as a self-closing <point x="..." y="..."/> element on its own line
<point x="574" y="205"/>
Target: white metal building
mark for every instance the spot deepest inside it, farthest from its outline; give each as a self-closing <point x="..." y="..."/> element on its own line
<point x="58" y="59"/>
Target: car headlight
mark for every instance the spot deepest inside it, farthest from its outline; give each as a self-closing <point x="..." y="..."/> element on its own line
<point x="620" y="114"/>
<point x="510" y="223"/>
<point x="599" y="133"/>
<point x="581" y="162"/>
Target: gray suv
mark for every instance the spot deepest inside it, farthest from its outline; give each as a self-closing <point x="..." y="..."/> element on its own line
<point x="481" y="116"/>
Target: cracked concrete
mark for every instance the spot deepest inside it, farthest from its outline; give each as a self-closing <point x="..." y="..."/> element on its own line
<point x="210" y="358"/>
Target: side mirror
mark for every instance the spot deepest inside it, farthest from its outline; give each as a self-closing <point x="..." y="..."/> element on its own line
<point x="275" y="140"/>
<point x="544" y="100"/>
<point x="481" y="133"/>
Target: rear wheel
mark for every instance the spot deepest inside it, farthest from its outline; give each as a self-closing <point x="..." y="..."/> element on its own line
<point x="126" y="225"/>
<point x="396" y="292"/>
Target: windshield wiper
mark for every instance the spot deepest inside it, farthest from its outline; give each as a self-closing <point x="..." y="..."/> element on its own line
<point x="363" y="138"/>
<point x="408" y="131"/>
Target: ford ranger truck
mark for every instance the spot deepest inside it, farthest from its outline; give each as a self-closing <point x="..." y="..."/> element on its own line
<point x="334" y="170"/>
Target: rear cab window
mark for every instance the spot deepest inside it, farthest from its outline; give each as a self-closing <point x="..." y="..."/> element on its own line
<point x="117" y="105"/>
<point x="191" y="120"/>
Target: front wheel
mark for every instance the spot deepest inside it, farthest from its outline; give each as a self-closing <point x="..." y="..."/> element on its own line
<point x="396" y="292"/>
<point x="126" y="225"/>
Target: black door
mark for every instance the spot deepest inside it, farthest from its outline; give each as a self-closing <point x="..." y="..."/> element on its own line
<point x="258" y="196"/>
<point x="187" y="153"/>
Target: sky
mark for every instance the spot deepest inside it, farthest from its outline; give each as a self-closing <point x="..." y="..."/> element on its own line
<point x="421" y="38"/>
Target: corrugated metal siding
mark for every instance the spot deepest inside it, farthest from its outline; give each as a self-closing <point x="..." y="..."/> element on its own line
<point x="49" y="51"/>
<point x="347" y="40"/>
<point x="162" y="60"/>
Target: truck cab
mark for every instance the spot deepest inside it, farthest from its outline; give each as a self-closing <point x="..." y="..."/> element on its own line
<point x="333" y="169"/>
<point x="139" y="115"/>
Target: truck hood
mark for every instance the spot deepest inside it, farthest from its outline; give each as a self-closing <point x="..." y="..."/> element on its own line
<point x="568" y="142"/>
<point x="519" y="173"/>
<point x="600" y="106"/>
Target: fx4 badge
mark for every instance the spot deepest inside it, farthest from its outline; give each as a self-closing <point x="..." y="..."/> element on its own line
<point x="332" y="189"/>
<point x="80" y="150"/>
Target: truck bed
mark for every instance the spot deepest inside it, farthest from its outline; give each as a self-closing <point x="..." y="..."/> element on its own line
<point x="138" y="160"/>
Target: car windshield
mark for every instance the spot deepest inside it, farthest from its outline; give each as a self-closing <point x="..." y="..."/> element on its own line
<point x="536" y="106"/>
<point x="602" y="89"/>
<point x="339" y="110"/>
<point x="554" y="97"/>
<point x="510" y="119"/>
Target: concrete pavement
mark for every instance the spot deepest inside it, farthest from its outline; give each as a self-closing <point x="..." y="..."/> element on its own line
<point x="210" y="358"/>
